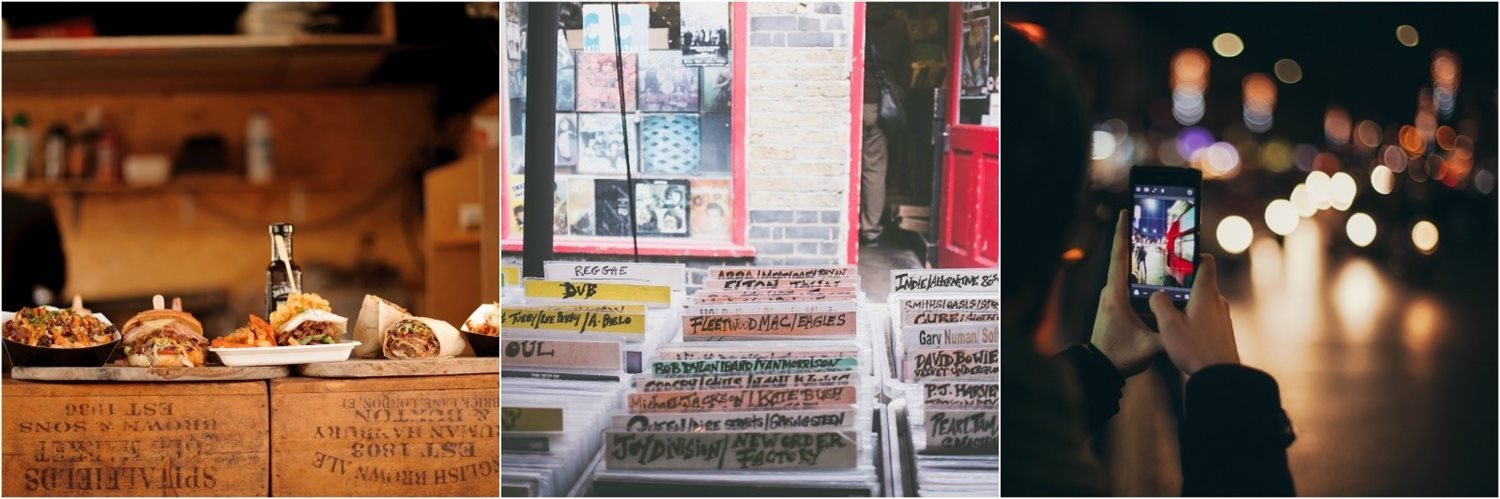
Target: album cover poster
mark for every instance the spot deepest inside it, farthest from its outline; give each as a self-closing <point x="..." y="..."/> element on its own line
<point x="661" y="207"/>
<point x="714" y="142"/>
<point x="710" y="208"/>
<point x="517" y="154"/>
<point x="667" y="85"/>
<point x="705" y="33"/>
<point x="581" y="206"/>
<point x="567" y="140"/>
<point x="716" y="91"/>
<point x="599" y="24"/>
<point x="517" y="203"/>
<point x="598" y="90"/>
<point x="560" y="206"/>
<point x="669" y="143"/>
<point x="602" y="144"/>
<point x="567" y="74"/>
<point x="515" y="43"/>
<point x="611" y="207"/>
<point x="976" y="59"/>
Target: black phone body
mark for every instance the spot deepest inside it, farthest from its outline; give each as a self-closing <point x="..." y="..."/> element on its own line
<point x="1164" y="233"/>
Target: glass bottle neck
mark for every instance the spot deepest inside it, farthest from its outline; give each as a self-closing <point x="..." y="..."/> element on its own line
<point x="276" y="255"/>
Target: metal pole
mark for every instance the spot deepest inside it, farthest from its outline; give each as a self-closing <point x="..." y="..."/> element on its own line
<point x="541" y="135"/>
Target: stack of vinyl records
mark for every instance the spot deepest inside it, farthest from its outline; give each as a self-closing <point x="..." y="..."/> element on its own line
<point x="770" y="392"/>
<point x="569" y="345"/>
<point x="944" y="333"/>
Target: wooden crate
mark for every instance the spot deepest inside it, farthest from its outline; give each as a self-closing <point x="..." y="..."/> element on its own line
<point x="135" y="439"/>
<point x="406" y="436"/>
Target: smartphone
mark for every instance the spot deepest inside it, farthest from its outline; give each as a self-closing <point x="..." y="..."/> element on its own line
<point x="1164" y="225"/>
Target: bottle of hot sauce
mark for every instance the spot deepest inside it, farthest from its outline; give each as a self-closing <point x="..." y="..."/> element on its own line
<point x="278" y="283"/>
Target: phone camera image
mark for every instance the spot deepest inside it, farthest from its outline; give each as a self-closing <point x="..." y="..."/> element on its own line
<point x="1164" y="239"/>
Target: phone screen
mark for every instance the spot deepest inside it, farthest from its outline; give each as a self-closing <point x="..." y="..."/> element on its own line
<point x="1163" y="240"/>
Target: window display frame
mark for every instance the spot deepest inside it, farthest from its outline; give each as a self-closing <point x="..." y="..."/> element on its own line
<point x="735" y="247"/>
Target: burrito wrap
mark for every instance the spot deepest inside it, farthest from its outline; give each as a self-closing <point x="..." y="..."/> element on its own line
<point x="375" y="315"/>
<point x="420" y="337"/>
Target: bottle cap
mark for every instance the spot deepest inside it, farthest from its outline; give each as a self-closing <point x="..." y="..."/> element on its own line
<point x="281" y="229"/>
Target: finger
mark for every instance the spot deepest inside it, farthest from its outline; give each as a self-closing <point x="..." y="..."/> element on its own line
<point x="1119" y="256"/>
<point x="1207" y="280"/>
<point x="1166" y="313"/>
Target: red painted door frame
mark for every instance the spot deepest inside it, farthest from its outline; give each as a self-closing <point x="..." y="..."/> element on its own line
<point x="856" y="127"/>
<point x="968" y="222"/>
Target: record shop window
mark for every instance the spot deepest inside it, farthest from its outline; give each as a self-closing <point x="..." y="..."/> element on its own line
<point x="677" y="62"/>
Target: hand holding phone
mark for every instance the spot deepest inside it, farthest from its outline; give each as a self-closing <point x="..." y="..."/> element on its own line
<point x="1163" y="234"/>
<point x="1204" y="336"/>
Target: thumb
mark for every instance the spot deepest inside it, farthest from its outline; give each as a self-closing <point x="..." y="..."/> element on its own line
<point x="1166" y="313"/>
<point x="1207" y="279"/>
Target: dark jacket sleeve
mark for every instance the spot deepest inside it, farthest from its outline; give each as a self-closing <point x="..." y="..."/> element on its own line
<point x="1234" y="436"/>
<point x="1100" y="383"/>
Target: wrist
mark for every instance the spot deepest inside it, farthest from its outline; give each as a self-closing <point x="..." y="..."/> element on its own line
<point x="1111" y="361"/>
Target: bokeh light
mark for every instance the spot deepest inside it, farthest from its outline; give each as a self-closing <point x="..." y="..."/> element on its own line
<point x="1395" y="158"/>
<point x="1341" y="191"/>
<point x="1446" y="137"/>
<point x="1228" y="45"/>
<point x="1260" y="101"/>
<point x="1382" y="180"/>
<point x="1281" y="217"/>
<point x="1367" y="134"/>
<point x="1234" y="234"/>
<point x="1288" y="71"/>
<point x="1104" y="145"/>
<point x="1276" y="156"/>
<point x="1361" y="229"/>
<point x="1407" y="35"/>
<point x="1411" y="141"/>
<point x="1484" y="182"/>
<point x="1319" y="191"/>
<point x="1217" y="160"/>
<point x="1336" y="126"/>
<point x="1304" y="156"/>
<point x="1306" y="207"/>
<point x="1424" y="235"/>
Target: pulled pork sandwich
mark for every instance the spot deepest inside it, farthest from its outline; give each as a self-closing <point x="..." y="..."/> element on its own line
<point x="375" y="315"/>
<point x="313" y="327"/>
<point x="420" y="338"/>
<point x="296" y="304"/>
<point x="57" y="328"/>
<point x="164" y="338"/>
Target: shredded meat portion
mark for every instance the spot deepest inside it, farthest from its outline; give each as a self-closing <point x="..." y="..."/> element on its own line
<point x="411" y="339"/>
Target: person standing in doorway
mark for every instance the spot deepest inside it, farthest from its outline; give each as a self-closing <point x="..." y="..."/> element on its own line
<point x="887" y="53"/>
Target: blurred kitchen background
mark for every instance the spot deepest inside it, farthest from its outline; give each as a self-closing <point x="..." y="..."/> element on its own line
<point x="162" y="139"/>
<point x="1349" y="157"/>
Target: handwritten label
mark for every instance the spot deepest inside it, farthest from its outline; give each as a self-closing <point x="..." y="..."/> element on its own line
<point x="540" y="291"/>
<point x="945" y="281"/>
<point x="969" y="333"/>
<point x="660" y="274"/>
<point x="736" y="421"/>
<point x="753" y="283"/>
<point x="726" y="366"/>
<point x="963" y="432"/>
<point x="836" y="271"/>
<point x="510" y="275"/>
<point x="758" y="399"/>
<point x="580" y="354"/>
<point x="776" y="324"/>
<point x="531" y="419"/>
<point x="571" y="320"/>
<point x="731" y="451"/>
<point x="960" y="394"/>
<point x="919" y="317"/>
<point x="982" y="363"/>
<point x="970" y="303"/>
<point x="716" y="382"/>
<point x="775" y="295"/>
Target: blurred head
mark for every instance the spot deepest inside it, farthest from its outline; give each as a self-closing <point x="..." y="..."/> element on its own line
<point x="1043" y="161"/>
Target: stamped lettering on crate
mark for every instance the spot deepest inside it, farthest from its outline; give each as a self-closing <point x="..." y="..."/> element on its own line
<point x="736" y="421"/>
<point x="944" y="281"/>
<point x="772" y="324"/>
<point x="392" y="442"/>
<point x="137" y="445"/>
<point x="961" y="394"/>
<point x="963" y="431"/>
<point x="760" y="399"/>
<point x="730" y="451"/>
<point x="520" y="352"/>
<point x="739" y="366"/>
<point x="965" y="333"/>
<point x="981" y="363"/>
